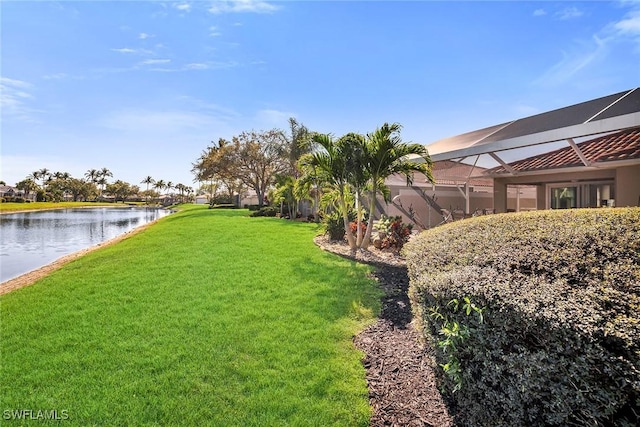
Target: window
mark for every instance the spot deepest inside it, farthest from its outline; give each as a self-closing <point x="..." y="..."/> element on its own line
<point x="583" y="195"/>
<point x="564" y="198"/>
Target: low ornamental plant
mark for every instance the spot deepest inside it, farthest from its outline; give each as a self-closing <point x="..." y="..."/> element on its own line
<point x="353" y="226"/>
<point x="334" y="226"/>
<point x="393" y="232"/>
<point x="559" y="340"/>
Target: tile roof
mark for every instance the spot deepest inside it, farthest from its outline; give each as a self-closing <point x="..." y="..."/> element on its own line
<point x="624" y="145"/>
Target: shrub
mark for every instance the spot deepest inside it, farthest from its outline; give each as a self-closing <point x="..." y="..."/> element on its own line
<point x="559" y="342"/>
<point x="265" y="211"/>
<point x="393" y="231"/>
<point x="334" y="225"/>
<point x="222" y="206"/>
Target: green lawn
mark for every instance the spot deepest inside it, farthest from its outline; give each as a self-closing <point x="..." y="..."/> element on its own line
<point x="208" y="317"/>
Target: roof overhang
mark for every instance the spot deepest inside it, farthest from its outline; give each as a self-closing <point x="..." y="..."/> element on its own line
<point x="599" y="116"/>
<point x="576" y="131"/>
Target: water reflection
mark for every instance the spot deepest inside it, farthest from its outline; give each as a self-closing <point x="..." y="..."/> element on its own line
<point x="30" y="240"/>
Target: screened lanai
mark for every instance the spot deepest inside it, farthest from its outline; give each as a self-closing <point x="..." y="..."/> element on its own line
<point x="609" y="178"/>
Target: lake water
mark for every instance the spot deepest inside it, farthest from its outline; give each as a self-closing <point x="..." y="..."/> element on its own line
<point x="31" y="240"/>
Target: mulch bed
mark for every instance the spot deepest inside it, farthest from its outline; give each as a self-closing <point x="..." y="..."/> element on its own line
<point x="402" y="383"/>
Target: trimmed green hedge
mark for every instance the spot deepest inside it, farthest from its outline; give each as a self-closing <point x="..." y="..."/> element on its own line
<point x="550" y="332"/>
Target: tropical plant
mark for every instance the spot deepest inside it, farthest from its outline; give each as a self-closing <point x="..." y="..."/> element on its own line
<point x="147" y="180"/>
<point x="387" y="155"/>
<point x="330" y="166"/>
<point x="160" y="185"/>
<point x="27" y="186"/>
<point x="44" y="175"/>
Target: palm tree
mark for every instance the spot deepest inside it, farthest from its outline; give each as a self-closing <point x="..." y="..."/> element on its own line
<point x="169" y="186"/>
<point x="331" y="165"/>
<point x="27" y="186"/>
<point x="44" y="175"/>
<point x="35" y="176"/>
<point x="355" y="150"/>
<point x="92" y="175"/>
<point x="387" y="155"/>
<point x="102" y="175"/>
<point x="159" y="185"/>
<point x="148" y="180"/>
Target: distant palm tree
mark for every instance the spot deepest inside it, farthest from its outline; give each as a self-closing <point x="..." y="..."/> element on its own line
<point x="91" y="175"/>
<point x="45" y="175"/>
<point x="103" y="174"/>
<point x="169" y="186"/>
<point x="148" y="180"/>
<point x="35" y="176"/>
<point x="62" y="175"/>
<point x="159" y="185"/>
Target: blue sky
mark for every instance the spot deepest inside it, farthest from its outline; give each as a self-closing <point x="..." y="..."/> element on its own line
<point x="142" y="87"/>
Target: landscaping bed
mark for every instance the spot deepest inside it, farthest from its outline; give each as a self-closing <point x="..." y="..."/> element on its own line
<point x="400" y="376"/>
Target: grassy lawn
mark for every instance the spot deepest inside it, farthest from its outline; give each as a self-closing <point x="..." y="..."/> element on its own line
<point x="209" y="317"/>
<point x="12" y="207"/>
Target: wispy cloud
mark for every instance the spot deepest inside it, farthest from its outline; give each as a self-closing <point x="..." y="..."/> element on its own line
<point x="629" y="24"/>
<point x="15" y="97"/>
<point x="62" y="76"/>
<point x="583" y="55"/>
<point x="242" y="6"/>
<point x="143" y="36"/>
<point x="569" y="13"/>
<point x="155" y="61"/>
<point x="214" y="32"/>
<point x="198" y="66"/>
<point x="587" y="53"/>
<point x="183" y="7"/>
<point x="131" y="51"/>
<point x="539" y="12"/>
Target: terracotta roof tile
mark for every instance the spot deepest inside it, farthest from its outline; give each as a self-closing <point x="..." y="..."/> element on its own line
<point x="624" y="145"/>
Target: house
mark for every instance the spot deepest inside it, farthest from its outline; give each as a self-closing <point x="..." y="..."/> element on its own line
<point x="8" y="191"/>
<point x="460" y="189"/>
<point x="578" y="156"/>
<point x="604" y="171"/>
<point x="202" y="199"/>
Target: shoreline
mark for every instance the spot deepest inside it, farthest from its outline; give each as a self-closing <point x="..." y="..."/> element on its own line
<point x="33" y="276"/>
<point x="2" y="212"/>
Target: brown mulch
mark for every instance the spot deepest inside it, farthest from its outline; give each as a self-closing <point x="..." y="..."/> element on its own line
<point x="402" y="383"/>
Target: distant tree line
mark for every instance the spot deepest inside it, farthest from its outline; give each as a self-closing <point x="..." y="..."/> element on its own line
<point x="44" y="185"/>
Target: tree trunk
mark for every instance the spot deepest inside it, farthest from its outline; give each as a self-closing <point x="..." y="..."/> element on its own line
<point x="372" y="207"/>
<point x="345" y="217"/>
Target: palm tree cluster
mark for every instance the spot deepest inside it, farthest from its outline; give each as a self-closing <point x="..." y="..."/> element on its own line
<point x="354" y="168"/>
<point x="347" y="174"/>
<point x="95" y="185"/>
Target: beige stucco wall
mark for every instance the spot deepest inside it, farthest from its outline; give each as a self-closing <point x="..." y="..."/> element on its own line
<point x="628" y="186"/>
<point x="627" y="182"/>
<point x="447" y="197"/>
